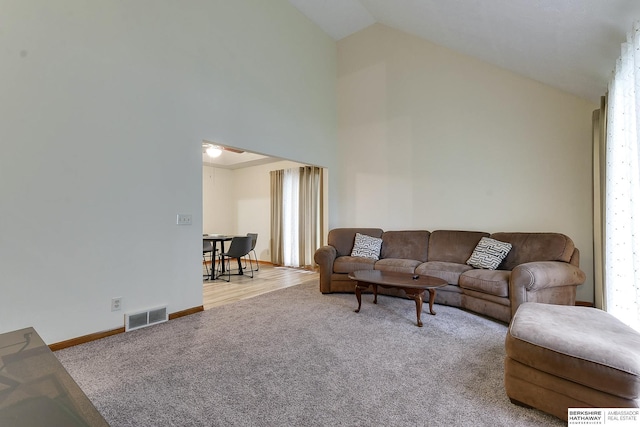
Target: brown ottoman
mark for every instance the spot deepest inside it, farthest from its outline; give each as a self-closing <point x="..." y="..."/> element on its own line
<point x="561" y="357"/>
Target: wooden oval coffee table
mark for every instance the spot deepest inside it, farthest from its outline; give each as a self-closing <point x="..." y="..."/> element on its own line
<point x="413" y="285"/>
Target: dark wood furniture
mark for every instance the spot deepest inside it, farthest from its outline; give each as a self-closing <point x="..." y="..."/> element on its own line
<point x="413" y="285"/>
<point x="36" y="390"/>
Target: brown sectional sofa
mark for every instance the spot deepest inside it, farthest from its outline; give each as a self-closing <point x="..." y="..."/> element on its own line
<point x="540" y="267"/>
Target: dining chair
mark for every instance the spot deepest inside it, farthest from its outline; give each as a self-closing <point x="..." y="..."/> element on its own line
<point x="254" y="240"/>
<point x="207" y="249"/>
<point x="239" y="248"/>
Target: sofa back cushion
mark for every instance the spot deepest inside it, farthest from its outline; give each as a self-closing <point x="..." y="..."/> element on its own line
<point x="410" y="244"/>
<point x="452" y="245"/>
<point x="342" y="238"/>
<point x="529" y="247"/>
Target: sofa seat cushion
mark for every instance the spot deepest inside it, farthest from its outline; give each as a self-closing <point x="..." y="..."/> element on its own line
<point x="493" y="282"/>
<point x="397" y="264"/>
<point x="449" y="271"/>
<point x="584" y="345"/>
<point x="349" y="264"/>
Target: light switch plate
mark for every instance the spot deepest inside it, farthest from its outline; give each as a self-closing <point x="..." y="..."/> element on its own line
<point x="183" y="219"/>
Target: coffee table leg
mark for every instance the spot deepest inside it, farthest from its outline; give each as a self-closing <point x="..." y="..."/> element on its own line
<point x="359" y="288"/>
<point x="375" y="293"/>
<point x="418" y="299"/>
<point x="416" y="295"/>
<point x="432" y="297"/>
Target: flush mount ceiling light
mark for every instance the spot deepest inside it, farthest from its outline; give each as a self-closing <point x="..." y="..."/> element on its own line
<point x="213" y="151"/>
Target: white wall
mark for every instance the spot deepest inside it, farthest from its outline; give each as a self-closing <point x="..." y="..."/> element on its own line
<point x="246" y="194"/>
<point x="219" y="208"/>
<point x="432" y="139"/>
<point x="104" y="107"/>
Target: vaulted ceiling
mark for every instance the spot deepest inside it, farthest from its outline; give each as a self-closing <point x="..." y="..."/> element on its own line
<point x="568" y="44"/>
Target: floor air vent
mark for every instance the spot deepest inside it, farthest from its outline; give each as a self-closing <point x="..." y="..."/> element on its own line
<point x="145" y="318"/>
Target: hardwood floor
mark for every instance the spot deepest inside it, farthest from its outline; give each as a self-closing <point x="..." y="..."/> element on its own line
<point x="267" y="279"/>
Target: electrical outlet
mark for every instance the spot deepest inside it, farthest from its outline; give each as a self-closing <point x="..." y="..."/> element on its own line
<point x="183" y="219"/>
<point x="116" y="304"/>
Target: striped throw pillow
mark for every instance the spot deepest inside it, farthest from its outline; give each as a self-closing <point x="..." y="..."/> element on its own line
<point x="489" y="253"/>
<point x="367" y="246"/>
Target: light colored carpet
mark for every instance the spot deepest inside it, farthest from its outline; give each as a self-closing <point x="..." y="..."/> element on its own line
<point x="295" y="357"/>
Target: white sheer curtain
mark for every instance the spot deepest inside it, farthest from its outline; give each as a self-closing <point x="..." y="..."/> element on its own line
<point x="296" y="215"/>
<point x="290" y="217"/>
<point x="622" y="212"/>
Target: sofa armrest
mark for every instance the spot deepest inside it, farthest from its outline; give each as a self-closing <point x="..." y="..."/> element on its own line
<point x="546" y="278"/>
<point x="324" y="257"/>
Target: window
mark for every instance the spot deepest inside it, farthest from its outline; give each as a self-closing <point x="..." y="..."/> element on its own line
<point x="296" y="215"/>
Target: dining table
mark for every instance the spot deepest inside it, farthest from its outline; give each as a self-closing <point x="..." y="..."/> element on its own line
<point x="215" y="239"/>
